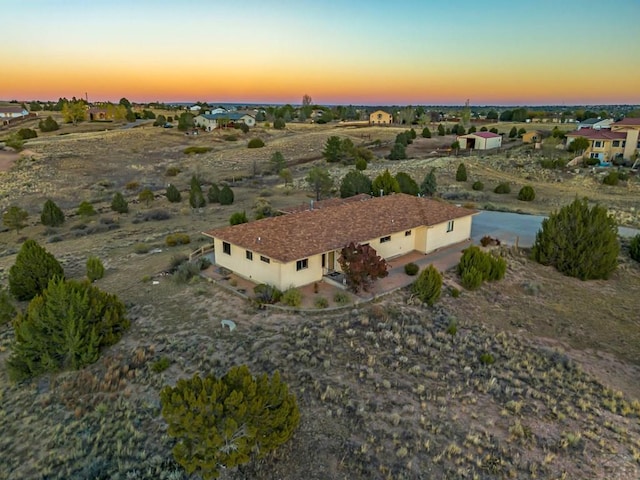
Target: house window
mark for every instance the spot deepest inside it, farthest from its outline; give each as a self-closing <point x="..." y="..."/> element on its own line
<point x="265" y="259"/>
<point x="407" y="233"/>
<point x="385" y="239"/>
<point x="450" y="226"/>
<point x="594" y="155"/>
<point x="616" y="143"/>
<point x="249" y="255"/>
<point x="302" y="264"/>
<point x="597" y="144"/>
<point x="226" y="248"/>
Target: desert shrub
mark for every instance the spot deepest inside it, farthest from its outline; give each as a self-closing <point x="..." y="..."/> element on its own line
<point x="411" y="269"/>
<point x="502" y="188"/>
<point x="255" y="143"/>
<point x="553" y="163"/>
<point x="133" y="185"/>
<point x="65" y="328"/>
<point x="634" y="248"/>
<point x="7" y="308"/>
<point x="33" y="270"/>
<point x="477" y="185"/>
<point x="527" y="194"/>
<point x="238" y="217"/>
<point x="95" y="269"/>
<point x="176" y="261"/>
<point x="160" y="365"/>
<point x="486" y="240"/>
<point x="27" y="133"/>
<point x="219" y="423"/>
<point x="279" y="123"/>
<point x="48" y="125"/>
<point x="173" y="194"/>
<point x="119" y="204"/>
<point x="196" y="197"/>
<point x="242" y="127"/>
<point x="141" y="248"/>
<point x="623" y="176"/>
<point x="52" y="215"/>
<point x="320" y="302"/>
<point x="611" y="178"/>
<point x="172" y="171"/>
<point x="85" y="209"/>
<point x="196" y="150"/>
<point x="158" y="214"/>
<point x="341" y="298"/>
<point x="203" y="263"/>
<point x="174" y="239"/>
<point x="185" y="272"/>
<point x="590" y="162"/>
<point x="226" y="196"/>
<point x="579" y="241"/>
<point x="428" y="285"/>
<point x="497" y="269"/>
<point x="487" y="358"/>
<point x="461" y="173"/>
<point x="230" y="138"/>
<point x="266" y="293"/>
<point x="471" y="278"/>
<point x="455" y="293"/>
<point x="213" y="195"/>
<point x="146" y="196"/>
<point x="361" y="164"/>
<point x="292" y="297"/>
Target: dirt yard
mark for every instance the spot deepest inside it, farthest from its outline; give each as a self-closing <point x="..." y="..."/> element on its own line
<point x="539" y="380"/>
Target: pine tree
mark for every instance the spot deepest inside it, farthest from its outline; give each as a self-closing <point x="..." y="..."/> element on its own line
<point x="441" y="130"/>
<point x="426" y="133"/>
<point x="221" y="422"/>
<point x="95" y="269"/>
<point x="146" y="196"/>
<point x="398" y="152"/>
<point x="51" y="215"/>
<point x="513" y="133"/>
<point x="353" y="183"/>
<point x="428" y="285"/>
<point x="213" y="194"/>
<point x="119" y="204"/>
<point x="32" y="271"/>
<point x="226" y="195"/>
<point x="461" y="173"/>
<point x="385" y="184"/>
<point x="196" y="198"/>
<point x="429" y="185"/>
<point x="173" y="194"/>
<point x="579" y="241"/>
<point x="85" y="209"/>
<point x="407" y="184"/>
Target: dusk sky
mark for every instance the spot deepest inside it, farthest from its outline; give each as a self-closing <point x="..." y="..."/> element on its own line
<point x="339" y="52"/>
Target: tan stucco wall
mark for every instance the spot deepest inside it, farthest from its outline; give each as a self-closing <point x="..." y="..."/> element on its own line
<point x="385" y="117"/>
<point x="255" y="270"/>
<point x="632" y="143"/>
<point x="398" y="245"/>
<point x="290" y="277"/>
<point x="438" y="237"/>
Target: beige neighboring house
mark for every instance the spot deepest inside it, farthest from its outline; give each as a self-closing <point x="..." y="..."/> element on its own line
<point x="480" y="141"/>
<point x="380" y="117"/>
<point x="13" y="111"/>
<point x="606" y="144"/>
<point x="533" y="136"/>
<point x="227" y="119"/>
<point x="301" y="247"/>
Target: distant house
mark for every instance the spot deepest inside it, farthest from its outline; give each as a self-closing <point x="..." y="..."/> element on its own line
<point x="533" y="136"/>
<point x="607" y="144"/>
<point x="595" y="123"/>
<point x="217" y="110"/>
<point x="195" y="108"/>
<point x="227" y="119"/>
<point x="13" y="111"/>
<point x="97" y="114"/>
<point x="301" y="247"/>
<point x="480" y="141"/>
<point x="380" y="117"/>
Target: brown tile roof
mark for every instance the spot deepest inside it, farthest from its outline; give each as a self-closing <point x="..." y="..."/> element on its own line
<point x="11" y="109"/>
<point x="593" y="134"/>
<point x="628" y="121"/>
<point x="329" y="202"/>
<point x="310" y="232"/>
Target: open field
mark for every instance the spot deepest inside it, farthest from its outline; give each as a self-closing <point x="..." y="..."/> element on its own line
<point x="384" y="390"/>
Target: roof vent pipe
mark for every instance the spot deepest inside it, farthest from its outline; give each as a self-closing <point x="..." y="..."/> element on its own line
<point x="381" y="192"/>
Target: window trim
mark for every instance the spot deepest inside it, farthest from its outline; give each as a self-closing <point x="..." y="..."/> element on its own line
<point x="450" y="226"/>
<point x="226" y="248"/>
<point x="385" y="239"/>
<point x="407" y="233"/>
<point x="265" y="259"/>
<point x="302" y="264"/>
<point x="249" y="255"/>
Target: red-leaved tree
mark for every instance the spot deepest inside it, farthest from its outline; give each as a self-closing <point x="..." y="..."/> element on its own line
<point x="361" y="265"/>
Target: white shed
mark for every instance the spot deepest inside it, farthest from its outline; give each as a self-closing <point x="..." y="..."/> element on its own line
<point x="480" y="141"/>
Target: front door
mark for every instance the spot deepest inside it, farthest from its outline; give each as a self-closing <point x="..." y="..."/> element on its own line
<point x="331" y="262"/>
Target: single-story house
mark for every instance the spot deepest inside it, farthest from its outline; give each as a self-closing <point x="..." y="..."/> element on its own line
<point x="13" y="111"/>
<point x="300" y="247"/>
<point x="605" y="144"/>
<point x="212" y="121"/>
<point x="195" y="108"/>
<point x="480" y="140"/>
<point x="595" y="123"/>
<point x="380" y="117"/>
<point x="97" y="114"/>
<point x="533" y="136"/>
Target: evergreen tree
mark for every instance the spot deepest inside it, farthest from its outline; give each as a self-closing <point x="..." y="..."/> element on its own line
<point x="320" y="181"/>
<point x="196" y="197"/>
<point x="7" y="308"/>
<point x="221" y="422"/>
<point x="385" y="184"/>
<point x="441" y="130"/>
<point x="277" y="162"/>
<point x="513" y="133"/>
<point x="51" y="215"/>
<point x="461" y="173"/>
<point x="428" y="285"/>
<point x="15" y="218"/>
<point x="48" y="125"/>
<point x="226" y="196"/>
<point x="213" y="194"/>
<point x="238" y="217"/>
<point x="173" y="194"/>
<point x="119" y="204"/>
<point x="279" y="123"/>
<point x="32" y="271"/>
<point x="429" y="185"/>
<point x="398" y="152"/>
<point x="426" y="133"/>
<point x="146" y="196"/>
<point x="579" y="241"/>
<point x="64" y="328"/>
<point x="354" y="183"/>
<point x="407" y="184"/>
<point x="95" y="269"/>
<point x="332" y="149"/>
<point x="85" y="209"/>
<point x="634" y="248"/>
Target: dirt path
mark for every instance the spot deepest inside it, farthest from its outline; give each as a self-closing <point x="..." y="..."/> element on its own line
<point x="6" y="160"/>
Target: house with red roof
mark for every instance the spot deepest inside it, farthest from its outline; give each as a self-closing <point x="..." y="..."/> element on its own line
<point x="301" y="247"/>
<point x="480" y="141"/>
<point x="618" y="142"/>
